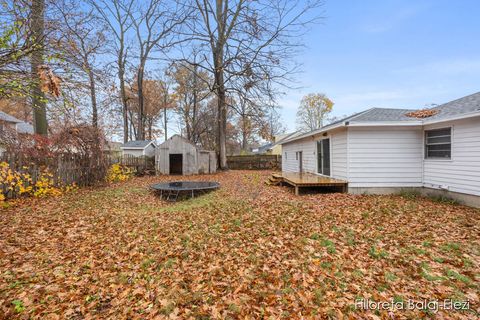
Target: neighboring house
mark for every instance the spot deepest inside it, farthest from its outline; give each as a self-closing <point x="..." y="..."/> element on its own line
<point x="178" y="155"/>
<point x="386" y="150"/>
<point x="139" y="148"/>
<point x="275" y="148"/>
<point x="113" y="148"/>
<point x="8" y="122"/>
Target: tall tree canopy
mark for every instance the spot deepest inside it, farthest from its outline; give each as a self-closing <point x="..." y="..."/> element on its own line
<point x="248" y="48"/>
<point x="313" y="111"/>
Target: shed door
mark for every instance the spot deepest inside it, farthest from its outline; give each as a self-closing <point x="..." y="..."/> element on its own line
<point x="323" y="154"/>
<point x="176" y="163"/>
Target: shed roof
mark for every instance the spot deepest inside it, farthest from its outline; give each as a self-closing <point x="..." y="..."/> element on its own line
<point x="136" y="144"/>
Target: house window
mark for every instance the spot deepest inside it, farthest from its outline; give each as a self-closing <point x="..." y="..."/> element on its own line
<point x="438" y="143"/>
<point x="285" y="156"/>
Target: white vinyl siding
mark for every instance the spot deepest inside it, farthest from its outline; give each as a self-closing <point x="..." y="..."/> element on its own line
<point x="338" y="153"/>
<point x="461" y="173"/>
<point x="385" y="157"/>
<point x="290" y="162"/>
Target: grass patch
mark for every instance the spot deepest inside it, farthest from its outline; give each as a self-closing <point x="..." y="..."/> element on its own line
<point x="18" y="306"/>
<point x="329" y="245"/>
<point x="457" y="276"/>
<point x="409" y="194"/>
<point x="191" y="204"/>
<point x="377" y="253"/>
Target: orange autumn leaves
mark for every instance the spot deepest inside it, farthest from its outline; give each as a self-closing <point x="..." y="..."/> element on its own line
<point x="49" y="82"/>
<point x="246" y="251"/>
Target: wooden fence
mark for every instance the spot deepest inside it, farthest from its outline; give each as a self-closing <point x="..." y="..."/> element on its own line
<point x="255" y="162"/>
<point x="64" y="169"/>
<point x="70" y="169"/>
<point x="141" y="164"/>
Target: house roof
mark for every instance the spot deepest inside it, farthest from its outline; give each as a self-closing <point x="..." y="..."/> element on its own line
<point x="264" y="148"/>
<point x="466" y="106"/>
<point x="23" y="127"/>
<point x="383" y="114"/>
<point x="8" y="118"/>
<point x="136" y="144"/>
<point x="268" y="146"/>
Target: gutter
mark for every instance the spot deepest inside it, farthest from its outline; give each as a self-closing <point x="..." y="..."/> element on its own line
<point x="458" y="117"/>
<point x="310" y="134"/>
<point x="386" y="123"/>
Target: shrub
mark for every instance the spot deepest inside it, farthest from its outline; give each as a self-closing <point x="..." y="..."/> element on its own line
<point x="14" y="183"/>
<point x="117" y="173"/>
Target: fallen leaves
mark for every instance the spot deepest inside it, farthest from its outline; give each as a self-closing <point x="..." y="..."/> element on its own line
<point x="245" y="251"/>
<point x="423" y="113"/>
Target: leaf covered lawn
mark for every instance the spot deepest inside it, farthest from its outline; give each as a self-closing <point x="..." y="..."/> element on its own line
<point x="246" y="251"/>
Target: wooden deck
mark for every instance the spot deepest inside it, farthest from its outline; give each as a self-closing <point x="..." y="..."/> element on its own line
<point x="299" y="180"/>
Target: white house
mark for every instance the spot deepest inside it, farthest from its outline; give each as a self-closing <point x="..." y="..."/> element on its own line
<point x="8" y="122"/>
<point x="386" y="150"/>
<point x="19" y="126"/>
<point x="139" y="148"/>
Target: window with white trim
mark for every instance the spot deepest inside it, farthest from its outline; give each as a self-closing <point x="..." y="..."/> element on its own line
<point x="438" y="143"/>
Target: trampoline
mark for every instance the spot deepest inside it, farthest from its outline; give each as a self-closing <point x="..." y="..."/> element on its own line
<point x="172" y="191"/>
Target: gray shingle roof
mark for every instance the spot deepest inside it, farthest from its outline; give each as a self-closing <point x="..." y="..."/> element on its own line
<point x="136" y="144"/>
<point x="447" y="110"/>
<point x="457" y="107"/>
<point x="8" y="118"/>
<point x="383" y="114"/>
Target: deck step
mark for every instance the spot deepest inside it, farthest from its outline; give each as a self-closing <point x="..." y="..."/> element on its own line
<point x="274" y="180"/>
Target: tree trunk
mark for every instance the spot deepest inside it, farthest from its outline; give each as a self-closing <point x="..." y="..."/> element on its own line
<point x="123" y="94"/>
<point x="134" y="131"/>
<point x="141" y="120"/>
<point x="244" y="135"/>
<point x="150" y="128"/>
<point x="221" y="111"/>
<point x="195" y="102"/>
<point x="221" y="119"/>
<point x="39" y="104"/>
<point x="93" y="98"/>
<point x="165" y="123"/>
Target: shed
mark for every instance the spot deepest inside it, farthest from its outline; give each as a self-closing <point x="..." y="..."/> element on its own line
<point x="180" y="156"/>
<point x="139" y="148"/>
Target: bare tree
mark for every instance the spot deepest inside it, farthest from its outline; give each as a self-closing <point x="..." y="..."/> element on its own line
<point x="191" y="91"/>
<point x="248" y="46"/>
<point x="116" y="14"/>
<point x="81" y="40"/>
<point x="17" y="45"/>
<point x="156" y="27"/>
<point x="168" y="102"/>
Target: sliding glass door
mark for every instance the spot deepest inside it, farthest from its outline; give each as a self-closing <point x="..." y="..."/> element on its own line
<point x="323" y="157"/>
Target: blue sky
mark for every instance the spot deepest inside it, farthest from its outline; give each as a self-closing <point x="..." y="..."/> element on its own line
<point x="390" y="53"/>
